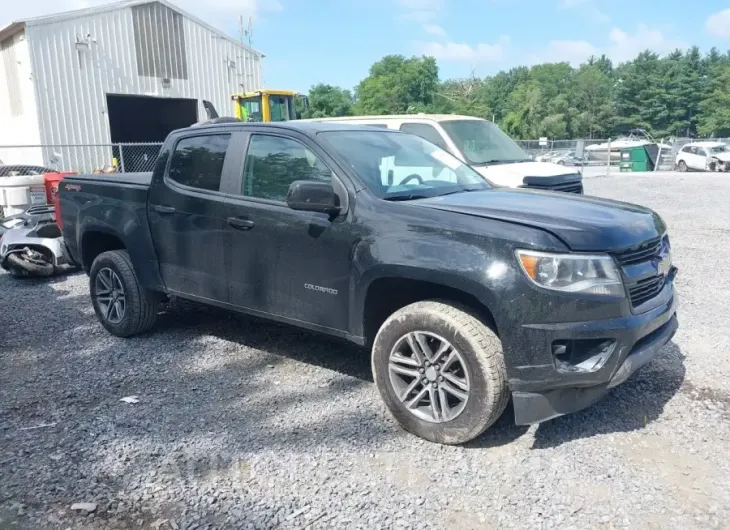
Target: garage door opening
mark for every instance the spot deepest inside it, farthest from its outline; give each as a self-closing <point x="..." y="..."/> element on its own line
<point x="145" y="119"/>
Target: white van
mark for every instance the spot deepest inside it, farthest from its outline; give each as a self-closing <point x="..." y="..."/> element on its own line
<point x="482" y="145"/>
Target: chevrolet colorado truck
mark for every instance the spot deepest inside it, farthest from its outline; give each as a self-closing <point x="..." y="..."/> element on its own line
<point x="466" y="294"/>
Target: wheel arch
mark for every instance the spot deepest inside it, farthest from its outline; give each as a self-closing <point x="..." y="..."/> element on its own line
<point x="387" y="293"/>
<point x="98" y="238"/>
<point x="95" y="242"/>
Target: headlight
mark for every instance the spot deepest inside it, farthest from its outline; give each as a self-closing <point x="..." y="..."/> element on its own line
<point x="572" y="273"/>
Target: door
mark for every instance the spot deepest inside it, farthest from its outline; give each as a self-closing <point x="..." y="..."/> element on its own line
<point x="699" y="159"/>
<point x="286" y="263"/>
<point x="187" y="219"/>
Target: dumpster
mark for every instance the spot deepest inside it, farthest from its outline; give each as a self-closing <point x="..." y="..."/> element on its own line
<point x="636" y="159"/>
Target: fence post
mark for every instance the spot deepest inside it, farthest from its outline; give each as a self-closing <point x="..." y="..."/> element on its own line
<point x="608" y="159"/>
<point x="121" y="158"/>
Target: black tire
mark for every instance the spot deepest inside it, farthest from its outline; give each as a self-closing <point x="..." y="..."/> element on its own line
<point x="141" y="305"/>
<point x="682" y="166"/>
<point x="21" y="268"/>
<point x="481" y="351"/>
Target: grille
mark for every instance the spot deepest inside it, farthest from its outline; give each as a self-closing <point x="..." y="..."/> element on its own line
<point x="568" y="187"/>
<point x="638" y="254"/>
<point x="645" y="290"/>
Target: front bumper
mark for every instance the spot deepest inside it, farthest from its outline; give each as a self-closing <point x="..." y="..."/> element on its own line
<point x="543" y="392"/>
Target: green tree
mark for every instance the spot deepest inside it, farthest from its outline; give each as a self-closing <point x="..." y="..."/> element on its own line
<point x="714" y="117"/>
<point x="463" y="96"/>
<point x="593" y="99"/>
<point x="328" y="100"/>
<point x="397" y="85"/>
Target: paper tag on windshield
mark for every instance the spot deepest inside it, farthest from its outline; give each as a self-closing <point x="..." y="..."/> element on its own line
<point x="446" y="159"/>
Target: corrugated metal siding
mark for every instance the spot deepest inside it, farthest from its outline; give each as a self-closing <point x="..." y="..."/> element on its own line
<point x="71" y="85"/>
<point x="159" y="42"/>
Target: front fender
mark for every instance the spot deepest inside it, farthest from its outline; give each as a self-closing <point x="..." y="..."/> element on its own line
<point x="485" y="269"/>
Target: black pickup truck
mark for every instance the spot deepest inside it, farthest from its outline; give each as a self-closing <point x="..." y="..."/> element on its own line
<point x="467" y="294"/>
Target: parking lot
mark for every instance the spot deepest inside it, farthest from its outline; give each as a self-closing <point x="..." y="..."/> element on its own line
<point x="246" y="424"/>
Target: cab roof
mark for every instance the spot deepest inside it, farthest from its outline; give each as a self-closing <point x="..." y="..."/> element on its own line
<point x="393" y="117"/>
<point x="303" y="126"/>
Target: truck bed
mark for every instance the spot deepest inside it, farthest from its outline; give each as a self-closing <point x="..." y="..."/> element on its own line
<point x="139" y="179"/>
<point x="107" y="203"/>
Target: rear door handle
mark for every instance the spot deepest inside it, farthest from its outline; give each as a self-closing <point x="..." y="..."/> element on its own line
<point x="239" y="223"/>
<point x="164" y="210"/>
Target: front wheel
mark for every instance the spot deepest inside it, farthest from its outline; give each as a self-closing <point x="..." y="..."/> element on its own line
<point x="682" y="166"/>
<point x="121" y="304"/>
<point x="440" y="371"/>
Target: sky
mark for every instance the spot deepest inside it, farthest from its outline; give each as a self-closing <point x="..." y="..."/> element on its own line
<point x="336" y="41"/>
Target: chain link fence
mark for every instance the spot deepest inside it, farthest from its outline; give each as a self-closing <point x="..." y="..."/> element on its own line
<point x="561" y="150"/>
<point x="108" y="158"/>
<point x="91" y="158"/>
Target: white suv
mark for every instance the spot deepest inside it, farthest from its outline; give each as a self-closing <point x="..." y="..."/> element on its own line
<point x="704" y="156"/>
<point x="482" y="145"/>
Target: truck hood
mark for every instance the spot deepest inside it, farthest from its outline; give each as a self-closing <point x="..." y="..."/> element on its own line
<point x="512" y="174"/>
<point x="725" y="157"/>
<point x="582" y="223"/>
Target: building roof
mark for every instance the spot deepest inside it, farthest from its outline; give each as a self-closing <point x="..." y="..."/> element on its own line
<point x="17" y="25"/>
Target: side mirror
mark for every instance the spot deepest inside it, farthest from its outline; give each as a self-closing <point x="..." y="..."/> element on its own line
<point x="312" y="196"/>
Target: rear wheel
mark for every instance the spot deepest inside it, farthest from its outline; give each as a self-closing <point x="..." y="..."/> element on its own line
<point x="440" y="371"/>
<point x="121" y="304"/>
<point x="682" y="166"/>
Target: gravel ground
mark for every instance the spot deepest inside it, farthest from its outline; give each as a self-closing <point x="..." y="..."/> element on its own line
<point x="247" y="424"/>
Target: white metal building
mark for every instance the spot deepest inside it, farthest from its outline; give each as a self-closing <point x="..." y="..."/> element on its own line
<point x="123" y="72"/>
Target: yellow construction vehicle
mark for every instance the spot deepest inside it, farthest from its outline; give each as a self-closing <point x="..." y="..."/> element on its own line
<point x="269" y="105"/>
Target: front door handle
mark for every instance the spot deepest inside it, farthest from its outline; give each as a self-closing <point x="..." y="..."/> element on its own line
<point x="239" y="223"/>
<point x="164" y="210"/>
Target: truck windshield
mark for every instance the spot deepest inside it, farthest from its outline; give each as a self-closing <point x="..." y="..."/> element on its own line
<point x="398" y="166"/>
<point x="482" y="142"/>
<point x="719" y="149"/>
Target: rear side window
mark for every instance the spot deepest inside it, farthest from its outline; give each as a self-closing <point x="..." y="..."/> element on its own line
<point x="273" y="163"/>
<point x="198" y="161"/>
<point x="427" y="132"/>
<point x="687" y="149"/>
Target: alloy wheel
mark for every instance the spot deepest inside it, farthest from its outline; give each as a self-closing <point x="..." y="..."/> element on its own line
<point x="429" y="376"/>
<point x="110" y="295"/>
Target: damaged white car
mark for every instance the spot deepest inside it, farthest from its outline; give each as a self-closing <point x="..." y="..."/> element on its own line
<point x="704" y="156"/>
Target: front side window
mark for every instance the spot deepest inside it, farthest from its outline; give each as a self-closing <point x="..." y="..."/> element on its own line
<point x="398" y="166"/>
<point x="701" y="151"/>
<point x="482" y="142"/>
<point x="197" y="161"/>
<point x="273" y="163"/>
<point x="425" y="131"/>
